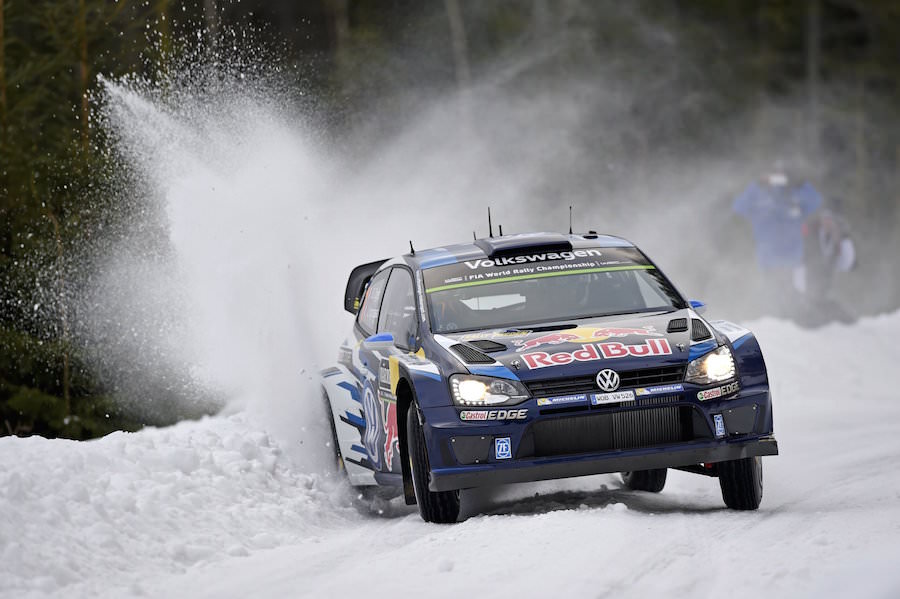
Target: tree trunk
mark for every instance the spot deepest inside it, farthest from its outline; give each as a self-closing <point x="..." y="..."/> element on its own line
<point x="540" y="18"/>
<point x="2" y="79"/>
<point x="165" y="31"/>
<point x="458" y="40"/>
<point x="83" y="64"/>
<point x="813" y="52"/>
<point x="460" y="62"/>
<point x="63" y="310"/>
<point x="761" y="128"/>
<point x="862" y="152"/>
<point x="212" y="20"/>
<point x="340" y="31"/>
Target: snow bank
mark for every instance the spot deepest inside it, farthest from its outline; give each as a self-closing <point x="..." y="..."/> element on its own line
<point x="216" y="509"/>
<point x="113" y="512"/>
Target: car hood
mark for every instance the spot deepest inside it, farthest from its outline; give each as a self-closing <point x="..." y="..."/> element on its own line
<point x="583" y="347"/>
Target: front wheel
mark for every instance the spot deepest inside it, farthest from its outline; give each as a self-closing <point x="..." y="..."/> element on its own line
<point x="651" y="481"/>
<point x="742" y="483"/>
<point x="441" y="506"/>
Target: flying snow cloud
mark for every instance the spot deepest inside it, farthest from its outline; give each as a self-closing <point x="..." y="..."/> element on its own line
<point x="265" y="220"/>
<point x="266" y="213"/>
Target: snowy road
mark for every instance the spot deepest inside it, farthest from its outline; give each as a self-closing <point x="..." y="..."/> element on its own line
<point x="215" y="509"/>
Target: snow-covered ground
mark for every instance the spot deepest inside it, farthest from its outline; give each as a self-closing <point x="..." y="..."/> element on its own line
<point x="217" y="509"/>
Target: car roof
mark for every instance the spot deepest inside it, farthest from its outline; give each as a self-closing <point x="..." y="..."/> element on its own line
<point x="507" y="245"/>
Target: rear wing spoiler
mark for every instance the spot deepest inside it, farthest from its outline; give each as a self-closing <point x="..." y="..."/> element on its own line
<point x="356" y="284"/>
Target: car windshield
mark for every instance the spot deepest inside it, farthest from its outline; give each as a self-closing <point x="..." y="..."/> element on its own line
<point x="545" y="287"/>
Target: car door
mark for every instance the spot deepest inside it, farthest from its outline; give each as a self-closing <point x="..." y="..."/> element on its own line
<point x="398" y="316"/>
<point x="366" y="365"/>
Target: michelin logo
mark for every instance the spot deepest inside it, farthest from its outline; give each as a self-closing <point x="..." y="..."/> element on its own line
<point x="551" y="401"/>
<point x="644" y="391"/>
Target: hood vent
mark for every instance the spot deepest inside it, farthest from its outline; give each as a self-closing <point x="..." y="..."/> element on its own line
<point x="677" y="325"/>
<point x="486" y="345"/>
<point x="470" y="355"/>
<point x="699" y="332"/>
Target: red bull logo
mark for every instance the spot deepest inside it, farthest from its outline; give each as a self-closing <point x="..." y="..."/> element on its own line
<point x="583" y="335"/>
<point x="391" y="435"/>
<point x="598" y="351"/>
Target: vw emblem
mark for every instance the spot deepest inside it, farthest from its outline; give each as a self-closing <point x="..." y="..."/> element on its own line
<point x="608" y="380"/>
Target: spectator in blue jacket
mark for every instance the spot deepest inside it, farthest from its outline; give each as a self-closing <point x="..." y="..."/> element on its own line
<point x="777" y="208"/>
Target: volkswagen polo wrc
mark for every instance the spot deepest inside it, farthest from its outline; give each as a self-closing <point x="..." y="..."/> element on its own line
<point x="540" y="356"/>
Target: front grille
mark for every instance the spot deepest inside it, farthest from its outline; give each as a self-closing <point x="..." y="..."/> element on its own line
<point x="470" y="355"/>
<point x="586" y="384"/>
<point x="610" y="431"/>
<point x="659" y="400"/>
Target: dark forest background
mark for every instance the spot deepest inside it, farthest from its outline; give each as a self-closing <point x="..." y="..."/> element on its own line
<point x="827" y="71"/>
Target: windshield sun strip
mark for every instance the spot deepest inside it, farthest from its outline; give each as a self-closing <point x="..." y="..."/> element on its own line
<point x="581" y="271"/>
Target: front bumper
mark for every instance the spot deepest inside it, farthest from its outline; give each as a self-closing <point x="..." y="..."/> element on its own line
<point x="518" y="471"/>
<point x="548" y="443"/>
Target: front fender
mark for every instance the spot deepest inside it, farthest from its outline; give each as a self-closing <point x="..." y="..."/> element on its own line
<point x="423" y="376"/>
<point x="345" y="402"/>
<point x="750" y="363"/>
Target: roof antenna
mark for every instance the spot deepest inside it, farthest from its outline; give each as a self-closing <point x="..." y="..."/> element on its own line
<point x="490" y="226"/>
<point x="474" y="237"/>
<point x="570" y="220"/>
<point x="411" y="249"/>
<point x="501" y="230"/>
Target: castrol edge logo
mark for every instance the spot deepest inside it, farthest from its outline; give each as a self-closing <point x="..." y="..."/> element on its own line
<point x="598" y="351"/>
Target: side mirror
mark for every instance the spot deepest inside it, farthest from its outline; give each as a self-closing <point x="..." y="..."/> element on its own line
<point x="698" y="306"/>
<point x="379" y="341"/>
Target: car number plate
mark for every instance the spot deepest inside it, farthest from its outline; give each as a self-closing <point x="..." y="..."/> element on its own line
<point x="615" y="397"/>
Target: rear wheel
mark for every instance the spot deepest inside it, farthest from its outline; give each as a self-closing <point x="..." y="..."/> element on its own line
<point x="441" y="506"/>
<point x="742" y="483"/>
<point x="340" y="469"/>
<point x="652" y="481"/>
<point x="365" y="494"/>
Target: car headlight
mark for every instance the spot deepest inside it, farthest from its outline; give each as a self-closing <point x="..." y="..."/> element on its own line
<point x="473" y="390"/>
<point x="714" y="367"/>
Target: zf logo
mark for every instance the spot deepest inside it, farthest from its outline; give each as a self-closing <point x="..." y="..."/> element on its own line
<point x="502" y="448"/>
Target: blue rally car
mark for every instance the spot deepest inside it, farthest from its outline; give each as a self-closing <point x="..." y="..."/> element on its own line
<point x="541" y="356"/>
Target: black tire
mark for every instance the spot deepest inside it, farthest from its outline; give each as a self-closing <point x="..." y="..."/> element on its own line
<point x="742" y="483"/>
<point x="340" y="469"/>
<point x="441" y="507"/>
<point x="651" y="481"/>
<point x="361" y="495"/>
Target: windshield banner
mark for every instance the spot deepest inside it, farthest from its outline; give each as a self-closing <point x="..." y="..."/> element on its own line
<point x="485" y="271"/>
